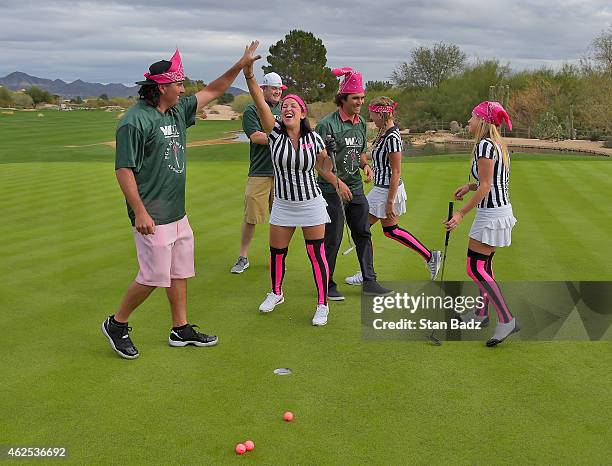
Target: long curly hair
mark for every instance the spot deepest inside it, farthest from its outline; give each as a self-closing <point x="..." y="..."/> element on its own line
<point x="150" y="94"/>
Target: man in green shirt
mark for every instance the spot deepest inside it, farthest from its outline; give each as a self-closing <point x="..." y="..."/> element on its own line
<point x="150" y="168"/>
<point x="343" y="190"/>
<point x="260" y="185"/>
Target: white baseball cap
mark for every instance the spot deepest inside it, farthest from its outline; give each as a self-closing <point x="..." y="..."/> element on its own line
<point x="273" y="80"/>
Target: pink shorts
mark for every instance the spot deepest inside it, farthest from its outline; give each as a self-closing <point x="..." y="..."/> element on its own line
<point x="166" y="254"/>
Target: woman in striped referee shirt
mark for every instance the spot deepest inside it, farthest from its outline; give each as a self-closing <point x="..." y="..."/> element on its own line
<point x="296" y="152"/>
<point x="492" y="227"/>
<point x="387" y="199"/>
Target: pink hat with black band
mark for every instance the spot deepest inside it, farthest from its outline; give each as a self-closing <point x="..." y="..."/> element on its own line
<point x="165" y="72"/>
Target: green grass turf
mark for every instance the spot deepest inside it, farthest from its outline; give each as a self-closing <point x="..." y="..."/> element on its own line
<point x="68" y="255"/>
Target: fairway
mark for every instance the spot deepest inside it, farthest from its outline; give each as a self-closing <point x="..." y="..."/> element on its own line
<point x="68" y="255"/>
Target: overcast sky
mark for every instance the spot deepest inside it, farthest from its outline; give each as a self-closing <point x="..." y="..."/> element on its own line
<point x="116" y="40"/>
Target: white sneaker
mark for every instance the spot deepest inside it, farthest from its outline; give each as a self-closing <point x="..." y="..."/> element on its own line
<point x="434" y="263"/>
<point x="320" y="317"/>
<point x="356" y="279"/>
<point x="271" y="301"/>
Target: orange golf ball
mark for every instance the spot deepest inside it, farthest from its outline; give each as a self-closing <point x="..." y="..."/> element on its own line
<point x="288" y="416"/>
<point x="249" y="445"/>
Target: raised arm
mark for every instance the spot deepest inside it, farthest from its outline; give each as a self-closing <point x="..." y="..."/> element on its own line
<point x="263" y="110"/>
<point x="216" y="88"/>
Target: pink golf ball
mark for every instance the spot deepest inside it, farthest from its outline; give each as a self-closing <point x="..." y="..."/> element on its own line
<point x="288" y="416"/>
<point x="241" y="448"/>
<point x="249" y="445"/>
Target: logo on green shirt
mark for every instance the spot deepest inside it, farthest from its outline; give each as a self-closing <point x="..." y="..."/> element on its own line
<point x="176" y="163"/>
<point x="170" y="131"/>
<point x="351" y="161"/>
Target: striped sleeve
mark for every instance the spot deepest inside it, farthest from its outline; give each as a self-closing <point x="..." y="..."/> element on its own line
<point x="485" y="149"/>
<point x="276" y="131"/>
<point x="394" y="144"/>
<point x="319" y="145"/>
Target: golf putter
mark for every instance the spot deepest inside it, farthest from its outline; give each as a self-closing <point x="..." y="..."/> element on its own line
<point x="432" y="337"/>
<point x="330" y="145"/>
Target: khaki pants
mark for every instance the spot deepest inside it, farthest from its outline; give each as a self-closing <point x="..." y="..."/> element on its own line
<point x="258" y="199"/>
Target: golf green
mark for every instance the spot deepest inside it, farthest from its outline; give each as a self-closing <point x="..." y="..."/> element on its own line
<point x="68" y="255"/>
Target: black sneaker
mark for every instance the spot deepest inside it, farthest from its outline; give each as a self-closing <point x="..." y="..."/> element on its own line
<point x="373" y="288"/>
<point x="334" y="295"/>
<point x="188" y="336"/>
<point x="119" y="339"/>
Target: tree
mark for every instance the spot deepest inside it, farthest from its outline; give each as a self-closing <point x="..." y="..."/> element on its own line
<point x="300" y="59"/>
<point x="374" y="86"/>
<point x="428" y="67"/>
<point x="5" y="97"/>
<point x="103" y="97"/>
<point x="602" y="50"/>
<point x="225" y="99"/>
<point x="22" y="100"/>
<point x="39" y="95"/>
<point x="193" y="86"/>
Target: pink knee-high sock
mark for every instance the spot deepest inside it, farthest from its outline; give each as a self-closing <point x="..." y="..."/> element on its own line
<point x="484" y="309"/>
<point x="320" y="270"/>
<point x="277" y="268"/>
<point x="404" y="237"/>
<point x="476" y="269"/>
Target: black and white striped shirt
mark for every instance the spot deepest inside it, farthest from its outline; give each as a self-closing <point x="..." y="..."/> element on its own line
<point x="390" y="142"/>
<point x="294" y="173"/>
<point x="498" y="196"/>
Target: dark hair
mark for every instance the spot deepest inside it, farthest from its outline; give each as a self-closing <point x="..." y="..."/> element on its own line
<point x="150" y="94"/>
<point x="304" y="127"/>
<point x="340" y="98"/>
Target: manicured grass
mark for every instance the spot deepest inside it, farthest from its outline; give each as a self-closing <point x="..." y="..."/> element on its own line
<point x="68" y="255"/>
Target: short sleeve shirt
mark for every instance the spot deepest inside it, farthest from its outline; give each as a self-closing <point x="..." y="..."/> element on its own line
<point x="499" y="195"/>
<point x="294" y="171"/>
<point x="261" y="163"/>
<point x="153" y="145"/>
<point x="350" y="144"/>
<point x="389" y="142"/>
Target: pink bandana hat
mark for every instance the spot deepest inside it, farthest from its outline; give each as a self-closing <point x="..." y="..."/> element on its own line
<point x="493" y="113"/>
<point x="382" y="108"/>
<point x="161" y="73"/>
<point x="352" y="83"/>
<point x="299" y="100"/>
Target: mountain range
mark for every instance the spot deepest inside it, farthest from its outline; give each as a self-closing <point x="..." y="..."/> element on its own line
<point x="17" y="80"/>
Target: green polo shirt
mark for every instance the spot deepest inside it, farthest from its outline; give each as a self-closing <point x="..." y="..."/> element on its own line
<point x="153" y="145"/>
<point x="350" y="144"/>
<point x="261" y="159"/>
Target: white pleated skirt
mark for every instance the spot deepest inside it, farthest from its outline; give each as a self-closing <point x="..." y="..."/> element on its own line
<point x="494" y="226"/>
<point x="377" y="199"/>
<point x="299" y="213"/>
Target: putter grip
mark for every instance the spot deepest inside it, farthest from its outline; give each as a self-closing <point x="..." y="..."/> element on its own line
<point x="451" y="205"/>
<point x="330" y="144"/>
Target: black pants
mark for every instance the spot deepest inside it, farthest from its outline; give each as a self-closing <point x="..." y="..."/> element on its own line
<point x="356" y="212"/>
